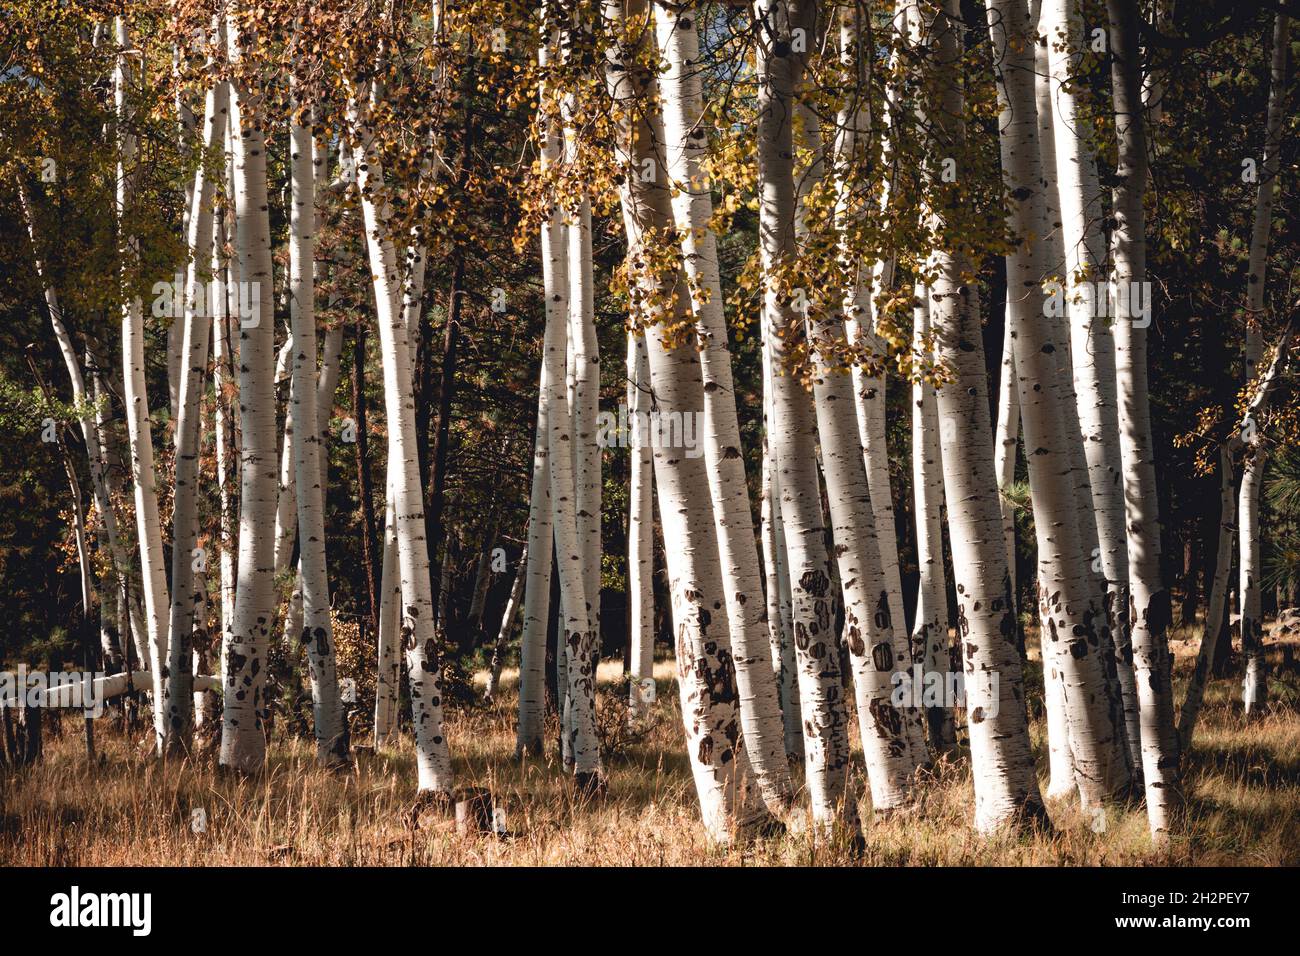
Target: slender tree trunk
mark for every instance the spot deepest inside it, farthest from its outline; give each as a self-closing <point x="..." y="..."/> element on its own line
<point x="317" y="624"/>
<point x="779" y="598"/>
<point x="507" y="625"/>
<point x="136" y="400"/>
<point x="1092" y="344"/>
<point x="871" y="388"/>
<point x="1002" y="762"/>
<point x="537" y="594"/>
<point x="1149" y="601"/>
<point x="1228" y="454"/>
<point x="684" y="145"/>
<point x="196" y="331"/>
<point x="419" y="629"/>
<point x="640" y="533"/>
<point x="1254" y="687"/>
<point x="705" y="666"/>
<point x="223" y="380"/>
<point x="1006" y="444"/>
<point x="243" y="743"/>
<point x="930" y="641"/>
<point x="91" y="435"/>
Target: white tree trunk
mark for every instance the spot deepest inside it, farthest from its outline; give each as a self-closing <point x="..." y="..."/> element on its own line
<point x="1149" y="600"/>
<point x="419" y="628"/>
<point x="243" y="744"/>
<point x="705" y="665"/>
<point x="580" y="742"/>
<point x="537" y="594"/>
<point x="136" y="400"/>
<point x="195" y="335"/>
<point x="684" y="145"/>
<point x="779" y="598"/>
<point x="389" y="674"/>
<point x="507" y="625"/>
<point x="317" y="625"/>
<point x="640" y="532"/>
<point x="1254" y="687"/>
<point x="1002" y="762"/>
<point x="92" y="435"/>
<point x="1092" y="345"/>
<point x="1227" y="528"/>
<point x="931" y="644"/>
<point x="794" y="430"/>
<point x="1069" y="613"/>
<point x="1006" y="444"/>
<point x="224" y="425"/>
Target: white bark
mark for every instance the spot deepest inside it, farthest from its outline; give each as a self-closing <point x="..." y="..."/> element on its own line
<point x="584" y="405"/>
<point x="419" y="629"/>
<point x="388" y="675"/>
<point x="92" y="434"/>
<point x="1254" y="687"/>
<point x="1006" y="445"/>
<point x="317" y="626"/>
<point x="1150" y="603"/>
<point x="779" y="597"/>
<point x="1068" y="611"/>
<point x="640" y="532"/>
<point x="1092" y="345"/>
<point x="794" y="437"/>
<point x="1002" y="763"/>
<point x="507" y="625"/>
<point x="195" y="334"/>
<point x="136" y="400"/>
<point x="223" y="423"/>
<point x="705" y="666"/>
<point x="931" y="644"/>
<point x="243" y="743"/>
<point x="1228" y="454"/>
<point x="684" y="145"/>
<point x="537" y="595"/>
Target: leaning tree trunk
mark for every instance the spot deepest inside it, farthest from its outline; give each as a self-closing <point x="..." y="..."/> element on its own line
<point x="684" y="147"/>
<point x="91" y="434"/>
<point x="1069" y="614"/>
<point x="317" y="624"/>
<point x="1228" y="454"/>
<point x="1254" y="686"/>
<point x="507" y="625"/>
<point x="1149" y="600"/>
<point x="419" y="627"/>
<point x="1002" y="761"/>
<point x="136" y="400"/>
<point x="243" y="744"/>
<point x="186" y="559"/>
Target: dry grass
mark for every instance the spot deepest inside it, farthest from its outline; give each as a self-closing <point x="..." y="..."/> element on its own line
<point x="1243" y="785"/>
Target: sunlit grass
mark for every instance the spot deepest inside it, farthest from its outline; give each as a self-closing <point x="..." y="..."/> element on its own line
<point x="1243" y="786"/>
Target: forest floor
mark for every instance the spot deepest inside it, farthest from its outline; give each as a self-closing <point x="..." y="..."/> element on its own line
<point x="1242" y="781"/>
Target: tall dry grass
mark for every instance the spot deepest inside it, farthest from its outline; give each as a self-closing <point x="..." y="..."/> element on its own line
<point x="1242" y="782"/>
